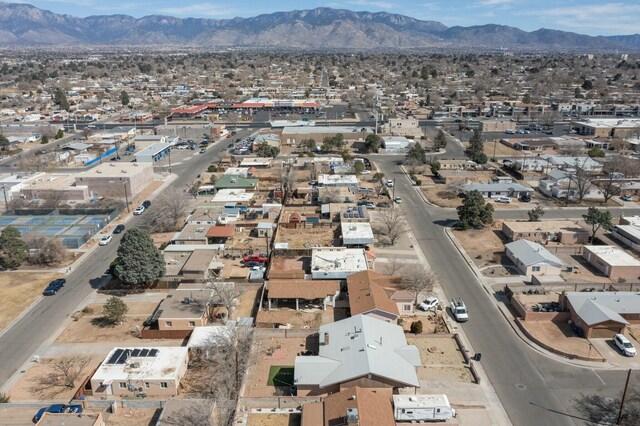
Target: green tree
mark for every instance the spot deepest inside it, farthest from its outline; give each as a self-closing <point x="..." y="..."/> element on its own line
<point x="13" y="250"/>
<point x="416" y="154"/>
<point x="114" y="310"/>
<point x="435" y="168"/>
<point x="124" y="98"/>
<point x="475" y="150"/>
<point x="139" y="261"/>
<point x="587" y="85"/>
<point x="535" y="214"/>
<point x="372" y="143"/>
<point x="60" y="99"/>
<point x="416" y="327"/>
<point x="266" y="150"/>
<point x="440" y="141"/>
<point x="475" y="212"/>
<point x="596" y="152"/>
<point x="310" y="145"/>
<point x="60" y="134"/>
<point x="598" y="219"/>
<point x="44" y="140"/>
<point x="4" y="143"/>
<point x="358" y="167"/>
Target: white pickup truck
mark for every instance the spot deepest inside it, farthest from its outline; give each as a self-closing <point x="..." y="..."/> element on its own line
<point x="459" y="310"/>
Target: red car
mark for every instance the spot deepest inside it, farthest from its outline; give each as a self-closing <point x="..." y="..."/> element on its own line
<point x="256" y="257"/>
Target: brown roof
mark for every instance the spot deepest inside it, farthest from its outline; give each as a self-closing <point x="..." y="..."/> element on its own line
<point x="221" y="231"/>
<point x="402" y="295"/>
<point x="373" y="404"/>
<point x="312" y="414"/>
<point x="291" y="274"/>
<point x="302" y="289"/>
<point x="365" y="294"/>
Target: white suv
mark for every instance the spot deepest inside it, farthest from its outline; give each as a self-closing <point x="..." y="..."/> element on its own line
<point x="624" y="345"/>
<point x="429" y="304"/>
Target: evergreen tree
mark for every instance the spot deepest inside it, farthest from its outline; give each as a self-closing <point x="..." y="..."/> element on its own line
<point x="372" y="143"/>
<point x="124" y="98"/>
<point x="441" y="140"/>
<point x="13" y="251"/>
<point x="60" y="99"/>
<point x="475" y="151"/>
<point x="475" y="212"/>
<point x="114" y="310"/>
<point x="138" y="261"/>
<point x="416" y="154"/>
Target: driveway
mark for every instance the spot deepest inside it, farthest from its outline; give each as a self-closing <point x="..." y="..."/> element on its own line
<point x="613" y="355"/>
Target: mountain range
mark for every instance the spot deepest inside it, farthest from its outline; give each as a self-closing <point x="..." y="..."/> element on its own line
<point x="321" y="28"/>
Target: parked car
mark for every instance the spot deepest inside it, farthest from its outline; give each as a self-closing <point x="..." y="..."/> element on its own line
<point x="398" y="200"/>
<point x="525" y="198"/>
<point x="255" y="257"/>
<point x="139" y="210"/>
<point x="54" y="286"/>
<point x="429" y="303"/>
<point x="118" y="229"/>
<point x="252" y="264"/>
<point x="146" y="203"/>
<point x="504" y="200"/>
<point x="626" y="198"/>
<point x="57" y="409"/>
<point x="384" y="204"/>
<point x="625" y="346"/>
<point x="459" y="310"/>
<point x="105" y="240"/>
<point x="202" y="150"/>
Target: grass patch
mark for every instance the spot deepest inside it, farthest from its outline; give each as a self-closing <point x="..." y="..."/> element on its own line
<point x="280" y="375"/>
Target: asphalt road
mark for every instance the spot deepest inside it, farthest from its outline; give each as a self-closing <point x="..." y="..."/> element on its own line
<point x="533" y="389"/>
<point x="22" y="340"/>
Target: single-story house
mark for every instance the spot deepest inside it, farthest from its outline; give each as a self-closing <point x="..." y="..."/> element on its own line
<point x="562" y="231"/>
<point x="358" y="351"/>
<point x="366" y="297"/>
<point x="298" y="294"/>
<point x="492" y="190"/>
<point x="363" y="406"/>
<point x="612" y="261"/>
<point x="236" y="182"/>
<point x="602" y="314"/>
<point x="533" y="259"/>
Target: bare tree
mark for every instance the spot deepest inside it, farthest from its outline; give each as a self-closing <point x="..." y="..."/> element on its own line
<point x="287" y="181"/>
<point x="616" y="168"/>
<point x="418" y="278"/>
<point x="52" y="199"/>
<point x="226" y="295"/>
<point x="392" y="224"/>
<point x="219" y="374"/>
<point x="193" y="412"/>
<point x="581" y="179"/>
<point x="394" y="266"/>
<point x="599" y="410"/>
<point x="171" y="207"/>
<point x="64" y="374"/>
<point x="46" y="251"/>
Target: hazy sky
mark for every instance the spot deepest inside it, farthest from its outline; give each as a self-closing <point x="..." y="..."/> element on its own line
<point x="594" y="17"/>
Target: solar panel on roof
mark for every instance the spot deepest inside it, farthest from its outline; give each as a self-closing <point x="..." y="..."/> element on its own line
<point x="115" y="356"/>
<point x="153" y="352"/>
<point x="136" y="352"/>
<point x="123" y="357"/>
<point x="144" y="352"/>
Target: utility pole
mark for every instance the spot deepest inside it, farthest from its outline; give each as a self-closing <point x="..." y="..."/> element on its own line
<point x="126" y="196"/>
<point x="6" y="202"/>
<point x="624" y="395"/>
<point x="394" y="189"/>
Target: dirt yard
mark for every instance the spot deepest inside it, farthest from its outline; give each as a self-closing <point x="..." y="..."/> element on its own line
<point x="248" y="302"/>
<point x="481" y="244"/>
<point x="18" y="290"/>
<point x="441" y="196"/>
<point x="27" y="388"/>
<point x="430" y="323"/>
<point x="559" y="336"/>
<point x="441" y="359"/>
<point x="84" y="331"/>
<point x="269" y="352"/>
<point x="131" y="417"/>
<point x="273" y="419"/>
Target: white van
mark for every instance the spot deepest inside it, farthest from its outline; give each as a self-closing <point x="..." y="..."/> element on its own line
<point x="413" y="408"/>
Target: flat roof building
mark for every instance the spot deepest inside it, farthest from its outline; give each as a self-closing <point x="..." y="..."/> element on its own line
<point x="612" y="261"/>
<point x="331" y="263"/>
<point x="153" y="153"/>
<point x="338" y="180"/>
<point x="112" y="180"/>
<point x="356" y="233"/>
<point x="130" y="371"/>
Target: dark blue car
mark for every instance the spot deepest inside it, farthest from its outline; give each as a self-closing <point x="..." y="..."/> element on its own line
<point x="57" y="409"/>
<point x="54" y="286"/>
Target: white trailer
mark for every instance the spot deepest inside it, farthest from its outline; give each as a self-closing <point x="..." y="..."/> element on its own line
<point x="422" y="408"/>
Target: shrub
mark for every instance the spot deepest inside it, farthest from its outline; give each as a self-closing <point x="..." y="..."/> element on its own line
<point x="416" y="327"/>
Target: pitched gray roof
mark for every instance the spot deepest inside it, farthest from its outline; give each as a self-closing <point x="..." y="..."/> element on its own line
<point x="595" y="308"/>
<point x="497" y="187"/>
<point x="358" y="346"/>
<point x="530" y="253"/>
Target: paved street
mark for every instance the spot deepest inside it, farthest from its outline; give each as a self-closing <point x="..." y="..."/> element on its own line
<point x="21" y="341"/>
<point x="533" y="389"/>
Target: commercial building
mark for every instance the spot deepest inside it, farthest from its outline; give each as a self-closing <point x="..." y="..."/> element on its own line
<point x="112" y="180"/>
<point x="11" y="185"/>
<point x="612" y="261"/>
<point x="561" y="231"/>
<point x="608" y="127"/>
<point x="533" y="259"/>
<point x="145" y="141"/>
<point x="358" y="351"/>
<point x="497" y="125"/>
<point x="132" y="372"/>
<point x="295" y="135"/>
<point x="336" y="263"/>
<point x="393" y="144"/>
<point x="628" y="234"/>
<point x="153" y="153"/>
<point x="408" y="127"/>
<point x="55" y="187"/>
